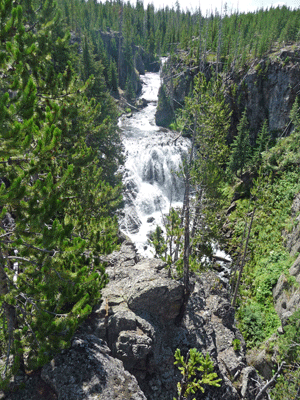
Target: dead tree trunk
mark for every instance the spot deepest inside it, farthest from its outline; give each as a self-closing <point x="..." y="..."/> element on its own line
<point x="120" y="38"/>
<point x="9" y="310"/>
<point x="233" y="271"/>
<point x="268" y="384"/>
<point x="186" y="254"/>
<point x="219" y="42"/>
<point x="243" y="262"/>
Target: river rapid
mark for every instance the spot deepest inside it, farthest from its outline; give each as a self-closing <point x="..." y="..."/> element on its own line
<point x="153" y="159"/>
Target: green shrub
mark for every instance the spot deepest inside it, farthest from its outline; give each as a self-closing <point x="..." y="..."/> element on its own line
<point x="196" y="371"/>
<point x="257" y="322"/>
<point x="288" y="384"/>
<point x="236" y="343"/>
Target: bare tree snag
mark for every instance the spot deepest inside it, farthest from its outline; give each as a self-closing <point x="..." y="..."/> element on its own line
<point x="269" y="383"/>
<point x="243" y="262"/>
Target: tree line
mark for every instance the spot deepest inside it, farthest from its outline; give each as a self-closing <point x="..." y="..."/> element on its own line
<point x="229" y="38"/>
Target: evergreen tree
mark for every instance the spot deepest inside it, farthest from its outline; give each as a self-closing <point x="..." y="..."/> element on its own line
<point x="240" y="147"/>
<point x="129" y="92"/>
<point x="196" y="371"/>
<point x="113" y="74"/>
<point x="157" y="240"/>
<point x="55" y="215"/>
<point x="262" y="141"/>
<point x="208" y="114"/>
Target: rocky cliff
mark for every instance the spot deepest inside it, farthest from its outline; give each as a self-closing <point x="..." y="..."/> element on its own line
<point x="286" y="293"/>
<point x="139" y="320"/>
<point x="267" y="88"/>
<point x="125" y="350"/>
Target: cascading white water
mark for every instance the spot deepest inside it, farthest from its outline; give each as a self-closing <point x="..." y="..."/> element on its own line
<point x="150" y="177"/>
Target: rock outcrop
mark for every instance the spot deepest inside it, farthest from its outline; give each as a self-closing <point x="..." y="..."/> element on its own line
<point x="286" y="293"/>
<point x="125" y="349"/>
<point x="87" y="371"/>
<point x="268" y="90"/>
<point x="139" y="319"/>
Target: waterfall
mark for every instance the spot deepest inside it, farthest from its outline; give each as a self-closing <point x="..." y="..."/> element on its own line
<point x="151" y="178"/>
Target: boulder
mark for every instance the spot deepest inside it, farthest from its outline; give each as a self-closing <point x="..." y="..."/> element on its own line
<point x="87" y="371"/>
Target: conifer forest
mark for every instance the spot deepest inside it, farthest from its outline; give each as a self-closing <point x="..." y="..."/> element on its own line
<point x="68" y="71"/>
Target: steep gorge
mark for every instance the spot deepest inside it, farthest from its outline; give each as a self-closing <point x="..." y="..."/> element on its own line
<point x="267" y="88"/>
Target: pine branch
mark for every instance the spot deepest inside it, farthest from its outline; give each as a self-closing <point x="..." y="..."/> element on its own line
<point x="6" y="234"/>
<point x="23" y="311"/>
<point x="34" y="304"/>
<point x="57" y="96"/>
<point x="16" y="160"/>
<point x="21" y="259"/>
<point x="31" y="28"/>
<point x="51" y="252"/>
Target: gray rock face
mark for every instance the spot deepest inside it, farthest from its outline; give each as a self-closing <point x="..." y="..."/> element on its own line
<point x="263" y="359"/>
<point x="286" y="298"/>
<point x="268" y="91"/>
<point x="295" y="269"/>
<point x="86" y="371"/>
<point x="138" y="318"/>
<point x="268" y="94"/>
<point x="287" y="295"/>
<point x="293" y="237"/>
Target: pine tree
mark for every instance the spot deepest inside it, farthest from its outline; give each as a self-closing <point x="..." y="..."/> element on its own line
<point x="240" y="148"/>
<point x="196" y="371"/>
<point x="113" y="74"/>
<point x="262" y="141"/>
<point x="157" y="240"/>
<point x="55" y="215"/>
<point x="130" y="95"/>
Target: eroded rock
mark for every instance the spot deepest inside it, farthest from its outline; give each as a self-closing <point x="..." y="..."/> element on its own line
<point x="286" y="298"/>
<point x="139" y="320"/>
<point x="87" y="371"/>
<point x="138" y="317"/>
<point x="286" y="294"/>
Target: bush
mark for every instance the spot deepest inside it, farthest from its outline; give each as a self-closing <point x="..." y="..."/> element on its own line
<point x="236" y="344"/>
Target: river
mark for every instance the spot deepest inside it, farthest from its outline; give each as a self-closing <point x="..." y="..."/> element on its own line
<point x="151" y="178"/>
